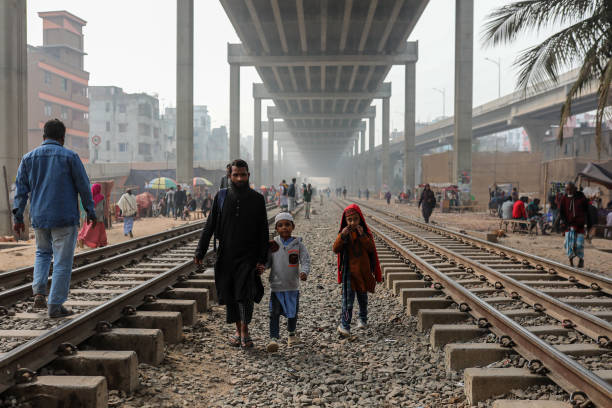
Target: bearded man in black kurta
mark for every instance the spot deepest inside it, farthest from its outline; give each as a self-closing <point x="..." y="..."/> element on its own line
<point x="239" y="221"/>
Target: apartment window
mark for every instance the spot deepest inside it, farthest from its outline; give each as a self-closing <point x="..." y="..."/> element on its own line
<point x="107" y="107"/>
<point x="48" y="109"/>
<point x="144" y="109"/>
<point x="64" y="113"/>
<point x="122" y="108"/>
<point x="123" y="147"/>
<point x="107" y="146"/>
<point x="156" y="133"/>
<point x="144" y="148"/>
<point x="85" y="92"/>
<point x="85" y="115"/>
<point x="64" y="84"/>
<point x="108" y="126"/>
<point x="47" y="78"/>
<point x="144" y="129"/>
<point x="123" y="127"/>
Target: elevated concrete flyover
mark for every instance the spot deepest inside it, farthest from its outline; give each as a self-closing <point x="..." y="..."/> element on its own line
<point x="322" y="63"/>
<point x="536" y="110"/>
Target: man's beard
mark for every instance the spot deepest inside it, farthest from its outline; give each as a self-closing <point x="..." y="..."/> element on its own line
<point x="241" y="185"/>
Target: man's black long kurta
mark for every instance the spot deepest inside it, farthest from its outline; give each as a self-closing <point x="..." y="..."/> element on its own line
<point x="242" y="230"/>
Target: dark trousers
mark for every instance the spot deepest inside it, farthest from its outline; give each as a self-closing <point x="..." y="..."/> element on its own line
<point x="276" y="310"/>
<point x="239" y="312"/>
<point x="348" y="299"/>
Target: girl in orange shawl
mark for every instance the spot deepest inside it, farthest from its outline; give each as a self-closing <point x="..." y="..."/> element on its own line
<point x="93" y="234"/>
<point x="358" y="266"/>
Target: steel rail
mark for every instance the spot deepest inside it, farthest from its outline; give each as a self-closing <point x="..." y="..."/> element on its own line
<point x="562" y="370"/>
<point x="22" y="275"/>
<point x="586" y="323"/>
<point x="17" y="293"/>
<point x="42" y="350"/>
<point x="584" y="277"/>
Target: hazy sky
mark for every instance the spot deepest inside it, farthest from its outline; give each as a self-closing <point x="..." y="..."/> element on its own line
<point x="132" y="44"/>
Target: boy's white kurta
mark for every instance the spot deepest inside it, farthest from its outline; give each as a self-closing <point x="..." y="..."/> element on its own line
<point x="287" y="263"/>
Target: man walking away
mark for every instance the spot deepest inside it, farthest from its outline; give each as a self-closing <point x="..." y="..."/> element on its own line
<point x="573" y="213"/>
<point x="239" y="221"/>
<point x="283" y="196"/>
<point x="180" y="199"/>
<point x="367" y="194"/>
<point x="52" y="176"/>
<point x="428" y="201"/>
<point x="170" y="202"/>
<point x="225" y="179"/>
<point x="128" y="206"/>
<point x="307" y="200"/>
<point x="291" y="195"/>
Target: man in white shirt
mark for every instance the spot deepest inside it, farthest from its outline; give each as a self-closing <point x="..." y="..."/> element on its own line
<point x="127" y="205"/>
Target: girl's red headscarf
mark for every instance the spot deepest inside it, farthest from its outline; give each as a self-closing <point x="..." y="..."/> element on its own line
<point x="96" y="189"/>
<point x="355" y="208"/>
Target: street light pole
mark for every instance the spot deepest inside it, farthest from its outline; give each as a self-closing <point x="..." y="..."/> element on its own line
<point x="443" y="92"/>
<point x="498" y="63"/>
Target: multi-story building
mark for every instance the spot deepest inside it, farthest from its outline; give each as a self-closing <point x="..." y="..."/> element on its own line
<point x="57" y="81"/>
<point x="126" y="127"/>
<point x="168" y="126"/>
<point x="201" y="131"/>
<point x="218" y="144"/>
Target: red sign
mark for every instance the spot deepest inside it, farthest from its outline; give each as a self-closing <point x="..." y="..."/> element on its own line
<point x="96" y="140"/>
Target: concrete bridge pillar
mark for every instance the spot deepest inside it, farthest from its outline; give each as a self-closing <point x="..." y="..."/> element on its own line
<point x="13" y="99"/>
<point x="234" y="136"/>
<point x="371" y="166"/>
<point x="386" y="167"/>
<point x="363" y="162"/>
<point x="281" y="170"/>
<point x="464" y="59"/>
<point x="536" y="131"/>
<point x="271" y="180"/>
<point x="184" y="91"/>
<point x="409" y="127"/>
<point x="257" y="144"/>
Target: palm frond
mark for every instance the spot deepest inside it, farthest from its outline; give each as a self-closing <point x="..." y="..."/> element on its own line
<point x="603" y="102"/>
<point x="506" y="23"/>
<point x="540" y="65"/>
<point x="585" y="76"/>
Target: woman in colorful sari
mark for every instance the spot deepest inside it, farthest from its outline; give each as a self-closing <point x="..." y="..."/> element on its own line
<point x="93" y="234"/>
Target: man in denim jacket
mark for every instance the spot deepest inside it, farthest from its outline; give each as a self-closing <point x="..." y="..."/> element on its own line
<point x="52" y="176"/>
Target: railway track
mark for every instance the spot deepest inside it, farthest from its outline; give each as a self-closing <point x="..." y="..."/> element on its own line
<point x="128" y="300"/>
<point x="525" y="310"/>
<point x="24" y="275"/>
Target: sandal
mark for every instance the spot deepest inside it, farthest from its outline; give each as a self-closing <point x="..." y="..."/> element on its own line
<point x="247" y="343"/>
<point x="234" y="341"/>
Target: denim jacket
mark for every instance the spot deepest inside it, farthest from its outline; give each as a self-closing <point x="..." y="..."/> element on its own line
<point x="52" y="176"/>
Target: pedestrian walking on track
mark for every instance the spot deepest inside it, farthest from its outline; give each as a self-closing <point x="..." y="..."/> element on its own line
<point x="239" y="221"/>
<point x="307" y="201"/>
<point x="358" y="267"/>
<point x="94" y="234"/>
<point x="128" y="206"/>
<point x="53" y="177"/>
<point x="427" y="202"/>
<point x="289" y="262"/>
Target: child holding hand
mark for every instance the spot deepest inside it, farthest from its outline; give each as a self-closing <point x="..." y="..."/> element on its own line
<point x="289" y="262"/>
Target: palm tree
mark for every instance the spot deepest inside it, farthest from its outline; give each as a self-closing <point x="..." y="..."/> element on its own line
<point x="586" y="41"/>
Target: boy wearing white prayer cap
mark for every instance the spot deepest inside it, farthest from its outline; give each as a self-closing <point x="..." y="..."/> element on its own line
<point x="289" y="262"/>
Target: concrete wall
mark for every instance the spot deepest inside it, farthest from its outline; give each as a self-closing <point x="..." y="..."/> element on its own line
<point x="518" y="168"/>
